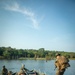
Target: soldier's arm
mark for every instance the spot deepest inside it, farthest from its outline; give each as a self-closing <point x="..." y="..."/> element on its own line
<point x="55" y="65"/>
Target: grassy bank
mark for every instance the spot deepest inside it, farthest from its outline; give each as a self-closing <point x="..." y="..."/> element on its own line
<point x="32" y="58"/>
<point x="72" y="58"/>
<point x="1" y="57"/>
<point x="23" y="58"/>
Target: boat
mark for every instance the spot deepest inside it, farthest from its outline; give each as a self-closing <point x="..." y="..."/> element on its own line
<point x="27" y="73"/>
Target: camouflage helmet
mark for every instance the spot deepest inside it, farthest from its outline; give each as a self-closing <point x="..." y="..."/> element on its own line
<point x="3" y="66"/>
<point x="57" y="54"/>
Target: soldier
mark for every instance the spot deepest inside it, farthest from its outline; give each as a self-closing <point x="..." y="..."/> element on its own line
<point x="23" y="70"/>
<point x="4" y="71"/>
<point x="9" y="72"/>
<point x="61" y="64"/>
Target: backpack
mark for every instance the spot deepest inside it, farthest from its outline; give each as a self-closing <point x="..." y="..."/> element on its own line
<point x="62" y="63"/>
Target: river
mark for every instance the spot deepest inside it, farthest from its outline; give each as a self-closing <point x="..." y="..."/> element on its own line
<point x="39" y="65"/>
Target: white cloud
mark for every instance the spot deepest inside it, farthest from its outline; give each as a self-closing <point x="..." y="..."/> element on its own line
<point x="30" y="15"/>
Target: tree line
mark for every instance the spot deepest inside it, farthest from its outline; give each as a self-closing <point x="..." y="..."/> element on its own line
<point x="13" y="53"/>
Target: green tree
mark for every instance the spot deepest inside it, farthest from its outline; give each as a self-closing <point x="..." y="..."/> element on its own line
<point x="6" y="54"/>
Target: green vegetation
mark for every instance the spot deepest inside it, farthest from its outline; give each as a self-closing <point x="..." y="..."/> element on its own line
<point x="13" y="53"/>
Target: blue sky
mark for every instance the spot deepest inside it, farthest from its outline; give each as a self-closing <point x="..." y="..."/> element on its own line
<point x="34" y="24"/>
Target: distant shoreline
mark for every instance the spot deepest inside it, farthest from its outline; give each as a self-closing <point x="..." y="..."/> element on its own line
<point x="22" y="58"/>
<point x="32" y="58"/>
<point x="25" y="58"/>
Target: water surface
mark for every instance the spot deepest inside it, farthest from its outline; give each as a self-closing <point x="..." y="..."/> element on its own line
<point x="40" y="65"/>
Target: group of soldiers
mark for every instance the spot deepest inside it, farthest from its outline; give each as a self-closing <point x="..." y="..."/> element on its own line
<point x="61" y="64"/>
<point x="23" y="70"/>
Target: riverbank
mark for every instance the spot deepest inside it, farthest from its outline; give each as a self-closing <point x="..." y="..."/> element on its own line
<point x="31" y="58"/>
<point x="72" y="58"/>
<point x="40" y="59"/>
<point x="23" y="58"/>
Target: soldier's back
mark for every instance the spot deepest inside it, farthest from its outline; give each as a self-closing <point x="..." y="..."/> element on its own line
<point x="4" y="71"/>
<point x="62" y="60"/>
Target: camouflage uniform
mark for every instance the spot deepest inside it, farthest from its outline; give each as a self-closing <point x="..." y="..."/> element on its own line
<point x="23" y="70"/>
<point x="9" y="72"/>
<point x="4" y="71"/>
<point x="60" y="72"/>
<point x="61" y="64"/>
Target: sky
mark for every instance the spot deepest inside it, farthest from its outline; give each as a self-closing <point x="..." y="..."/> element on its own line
<point x="34" y="24"/>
